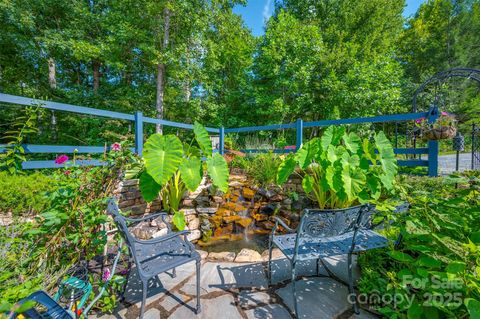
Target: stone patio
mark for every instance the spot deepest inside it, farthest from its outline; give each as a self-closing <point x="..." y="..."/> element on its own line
<point x="240" y="290"/>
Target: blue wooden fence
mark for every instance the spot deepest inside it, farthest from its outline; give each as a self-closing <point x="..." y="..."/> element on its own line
<point x="299" y="125"/>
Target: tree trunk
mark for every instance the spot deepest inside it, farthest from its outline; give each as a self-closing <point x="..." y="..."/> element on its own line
<point x="52" y="81"/>
<point x="52" y="77"/>
<point x="96" y="75"/>
<point x="161" y="68"/>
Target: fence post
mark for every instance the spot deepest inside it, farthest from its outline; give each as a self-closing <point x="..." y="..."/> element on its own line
<point x="138" y="133"/>
<point x="433" y="145"/>
<point x="432" y="158"/>
<point x="299" y="129"/>
<point x="221" y="142"/>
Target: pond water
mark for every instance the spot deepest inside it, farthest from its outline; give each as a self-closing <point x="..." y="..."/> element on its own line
<point x="257" y="242"/>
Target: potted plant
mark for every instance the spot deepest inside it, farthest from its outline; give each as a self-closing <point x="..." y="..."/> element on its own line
<point x="340" y="170"/>
<point x="169" y="168"/>
<point x="443" y="128"/>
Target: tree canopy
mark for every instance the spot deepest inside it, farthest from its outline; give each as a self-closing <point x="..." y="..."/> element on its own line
<point x="196" y="60"/>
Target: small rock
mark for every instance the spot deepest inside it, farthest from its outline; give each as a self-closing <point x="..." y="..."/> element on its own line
<point x="223" y="256"/>
<point x="218" y="199"/>
<point x="207" y="210"/>
<point x="247" y="256"/>
<point x="160" y="233"/>
<point x="188" y="202"/>
<point x="203" y="254"/>
<point x="287" y="201"/>
<point x="276" y="254"/>
<point x="126" y="203"/>
<point x="130" y="182"/>
<point x="137" y="209"/>
<point x="235" y="184"/>
<point x="143" y="231"/>
<point x="248" y="193"/>
<point x="194" y="223"/>
<point x="188" y="211"/>
<point x="194" y="235"/>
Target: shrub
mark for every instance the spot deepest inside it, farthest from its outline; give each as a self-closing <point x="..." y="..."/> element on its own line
<point x="25" y="194"/>
<point x="435" y="271"/>
<point x="263" y="168"/>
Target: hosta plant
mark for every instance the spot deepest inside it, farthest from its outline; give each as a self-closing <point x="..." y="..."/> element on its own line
<point x="172" y="167"/>
<point x="340" y="169"/>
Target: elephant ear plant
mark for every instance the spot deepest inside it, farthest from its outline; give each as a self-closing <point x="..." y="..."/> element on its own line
<point x="172" y="167"/>
<point x="340" y="170"/>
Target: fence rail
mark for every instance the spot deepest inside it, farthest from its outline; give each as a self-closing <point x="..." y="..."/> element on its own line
<point x="299" y="125"/>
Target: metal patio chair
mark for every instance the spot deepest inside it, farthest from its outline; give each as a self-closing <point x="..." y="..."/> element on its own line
<point x="155" y="256"/>
<point x="44" y="307"/>
<point x="326" y="233"/>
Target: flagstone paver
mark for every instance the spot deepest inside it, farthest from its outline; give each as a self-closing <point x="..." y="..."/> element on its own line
<point x="240" y="290"/>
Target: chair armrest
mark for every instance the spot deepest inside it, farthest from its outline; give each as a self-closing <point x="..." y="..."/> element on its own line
<point x="153" y="216"/>
<point x="162" y="238"/>
<point x="283" y="224"/>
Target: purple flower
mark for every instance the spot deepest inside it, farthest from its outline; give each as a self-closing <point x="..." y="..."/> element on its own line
<point x="116" y="147"/>
<point x="106" y="274"/>
<point x="61" y="159"/>
<point x="290" y="147"/>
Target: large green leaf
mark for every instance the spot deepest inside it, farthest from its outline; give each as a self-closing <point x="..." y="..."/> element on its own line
<point x="332" y="136"/>
<point x="190" y="172"/>
<point x="307" y="153"/>
<point x="352" y="141"/>
<point x="386" y="154"/>
<point x="473" y="307"/>
<point x="163" y="154"/>
<point x="148" y="187"/>
<point x="398" y="255"/>
<point x="307" y="183"/>
<point x="203" y="140"/>
<point x="218" y="170"/>
<point x="285" y="169"/>
<point x="178" y="220"/>
<point x="353" y="179"/>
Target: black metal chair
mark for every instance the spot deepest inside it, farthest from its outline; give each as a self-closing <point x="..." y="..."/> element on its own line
<point x="327" y="233"/>
<point x="155" y="256"/>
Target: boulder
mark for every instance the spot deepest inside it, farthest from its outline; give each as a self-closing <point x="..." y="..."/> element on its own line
<point x="248" y="255"/>
<point x="227" y="256"/>
<point x="276" y="254"/>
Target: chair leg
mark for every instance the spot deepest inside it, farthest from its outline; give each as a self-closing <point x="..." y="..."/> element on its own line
<point x="351" y="289"/>
<point x="197" y="311"/>
<point x="144" y="299"/>
<point x="269" y="266"/>
<point x="174" y="273"/>
<point x="295" y="306"/>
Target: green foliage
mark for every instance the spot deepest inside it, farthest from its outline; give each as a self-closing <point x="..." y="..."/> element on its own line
<point x="172" y="168"/>
<point x="22" y="127"/>
<point x="71" y="227"/>
<point x="436" y="268"/>
<point x="339" y="170"/>
<point x="263" y="168"/>
<point x="25" y="194"/>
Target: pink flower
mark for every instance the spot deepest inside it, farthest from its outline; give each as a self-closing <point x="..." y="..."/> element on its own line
<point x="290" y="147"/>
<point x="116" y="147"/>
<point x="61" y="159"/>
<point x="106" y="274"/>
<point x="445" y="113"/>
<point x="420" y="120"/>
<point x="67" y="172"/>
